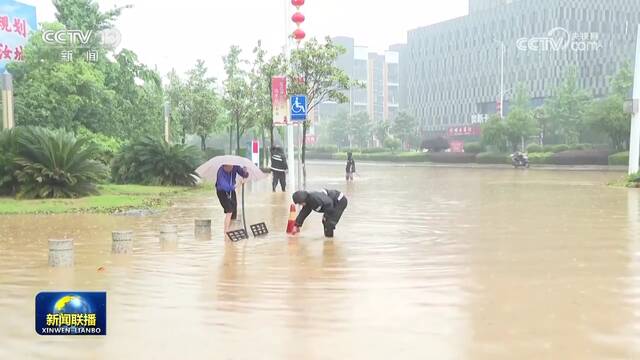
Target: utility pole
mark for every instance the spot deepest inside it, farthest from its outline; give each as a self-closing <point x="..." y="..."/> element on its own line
<point x="634" y="140"/>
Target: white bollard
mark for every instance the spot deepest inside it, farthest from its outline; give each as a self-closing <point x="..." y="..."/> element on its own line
<point x="61" y="252"/>
<point x="203" y="225"/>
<point x="122" y="242"/>
<point x="169" y="233"/>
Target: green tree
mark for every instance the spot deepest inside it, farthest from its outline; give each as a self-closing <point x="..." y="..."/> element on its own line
<point x="264" y="69"/>
<point x="494" y="133"/>
<point x="176" y="93"/>
<point x="381" y="132"/>
<point x="520" y="122"/>
<point x="567" y="108"/>
<point x="313" y="72"/>
<point x="115" y="95"/>
<point x="608" y="116"/>
<point x="334" y="131"/>
<point x="237" y="94"/>
<point x="359" y="129"/>
<point x="404" y="128"/>
<point x="202" y="103"/>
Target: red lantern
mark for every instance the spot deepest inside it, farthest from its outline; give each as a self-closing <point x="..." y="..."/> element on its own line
<point x="297" y="3"/>
<point x="298" y="18"/>
<point x="299" y="34"/>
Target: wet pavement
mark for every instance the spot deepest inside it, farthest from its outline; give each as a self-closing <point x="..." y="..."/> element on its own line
<point x="427" y="262"/>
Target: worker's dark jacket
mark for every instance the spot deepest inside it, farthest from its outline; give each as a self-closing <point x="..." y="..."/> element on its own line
<point x="278" y="162"/>
<point x="329" y="202"/>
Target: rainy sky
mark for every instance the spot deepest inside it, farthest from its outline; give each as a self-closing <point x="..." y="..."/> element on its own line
<point x="176" y="33"/>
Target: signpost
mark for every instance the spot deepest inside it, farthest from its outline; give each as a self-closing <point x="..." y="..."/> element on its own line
<point x="298" y="108"/>
<point x="255" y="152"/>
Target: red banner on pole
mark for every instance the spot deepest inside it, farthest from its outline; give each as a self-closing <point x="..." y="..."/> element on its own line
<point x="279" y="100"/>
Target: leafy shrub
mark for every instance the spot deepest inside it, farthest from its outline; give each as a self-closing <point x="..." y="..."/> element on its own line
<point x="581" y="147"/>
<point x="324" y="156"/>
<point x="54" y="164"/>
<point x="577" y="157"/>
<point x="437" y="144"/>
<point x="473" y="148"/>
<point x="621" y="158"/>
<point x="633" y="180"/>
<point x="451" y="158"/>
<point x="211" y="153"/>
<point x="329" y="149"/>
<point x="559" y="148"/>
<point x="151" y="161"/>
<point x="351" y="150"/>
<point x="373" y="150"/>
<point x="107" y="147"/>
<point x="534" y="148"/>
<point x="493" y="158"/>
<point x="540" y="157"/>
<point x="8" y="166"/>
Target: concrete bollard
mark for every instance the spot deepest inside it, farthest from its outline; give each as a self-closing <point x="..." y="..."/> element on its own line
<point x="169" y="233"/>
<point x="61" y="252"/>
<point x="203" y="225"/>
<point x="122" y="242"/>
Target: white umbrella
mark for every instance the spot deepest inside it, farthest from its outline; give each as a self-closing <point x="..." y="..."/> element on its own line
<point x="209" y="171"/>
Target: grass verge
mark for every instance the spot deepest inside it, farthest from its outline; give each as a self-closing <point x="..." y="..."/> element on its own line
<point x="112" y="198"/>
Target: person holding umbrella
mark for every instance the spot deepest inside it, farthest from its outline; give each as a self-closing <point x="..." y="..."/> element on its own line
<point x="223" y="170"/>
<point x="226" y="191"/>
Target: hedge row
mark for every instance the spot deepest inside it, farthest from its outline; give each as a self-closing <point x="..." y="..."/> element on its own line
<point x="569" y="157"/>
<point x="621" y="158"/>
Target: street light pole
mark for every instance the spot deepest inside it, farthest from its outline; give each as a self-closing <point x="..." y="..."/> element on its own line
<point x="634" y="139"/>
<point x="291" y="160"/>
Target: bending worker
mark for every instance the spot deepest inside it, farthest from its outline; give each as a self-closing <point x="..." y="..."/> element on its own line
<point x="330" y="202"/>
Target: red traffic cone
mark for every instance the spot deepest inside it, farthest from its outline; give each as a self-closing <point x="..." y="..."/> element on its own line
<point x="291" y="224"/>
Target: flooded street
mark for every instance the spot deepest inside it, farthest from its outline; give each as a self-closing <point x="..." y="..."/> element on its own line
<point x="440" y="263"/>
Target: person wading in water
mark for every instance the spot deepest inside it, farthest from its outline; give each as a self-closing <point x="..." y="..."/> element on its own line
<point x="331" y="203"/>
<point x="279" y="168"/>
<point x="226" y="191"/>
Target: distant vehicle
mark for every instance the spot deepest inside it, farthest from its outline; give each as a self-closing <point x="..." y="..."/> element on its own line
<point x="520" y="160"/>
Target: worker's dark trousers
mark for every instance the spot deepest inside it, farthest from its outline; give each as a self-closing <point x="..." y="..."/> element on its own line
<point x="330" y="220"/>
<point x="279" y="176"/>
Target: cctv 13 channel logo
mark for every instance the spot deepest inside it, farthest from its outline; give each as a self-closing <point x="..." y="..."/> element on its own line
<point x="71" y="313"/>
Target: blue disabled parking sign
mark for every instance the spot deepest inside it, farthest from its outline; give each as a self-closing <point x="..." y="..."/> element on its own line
<point x="298" y="108"/>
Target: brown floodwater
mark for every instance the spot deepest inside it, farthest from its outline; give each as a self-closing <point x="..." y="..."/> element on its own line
<point x="427" y="262"/>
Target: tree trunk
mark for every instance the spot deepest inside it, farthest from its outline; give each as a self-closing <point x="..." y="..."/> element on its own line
<point x="264" y="150"/>
<point x="184" y="135"/>
<point x="230" y="139"/>
<point x="238" y="137"/>
<point x="271" y="135"/>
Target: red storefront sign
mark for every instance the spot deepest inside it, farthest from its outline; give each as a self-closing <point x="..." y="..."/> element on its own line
<point x="464" y="131"/>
